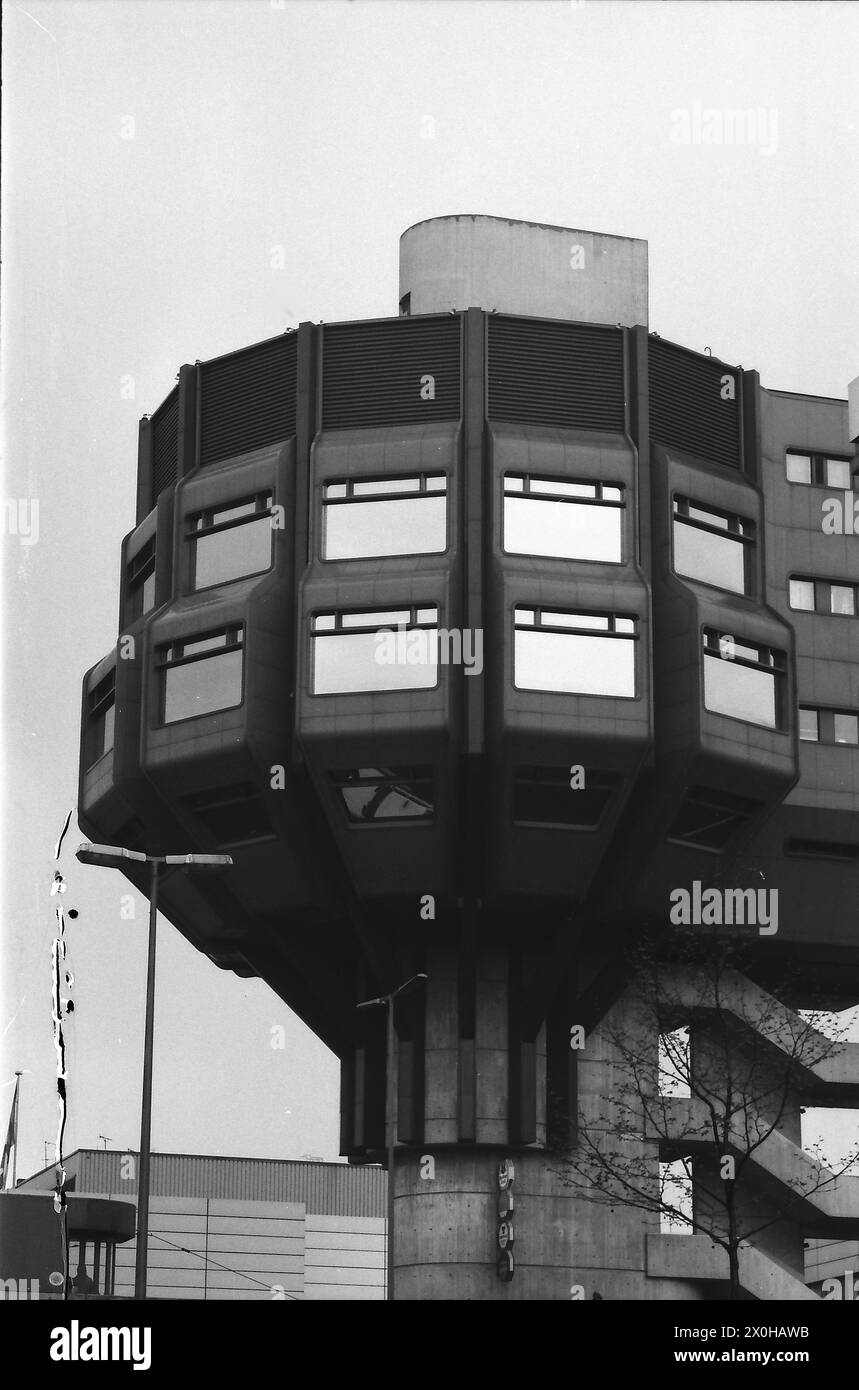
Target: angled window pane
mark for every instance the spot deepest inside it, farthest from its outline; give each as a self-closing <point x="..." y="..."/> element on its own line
<point x="595" y="620"/>
<point x="842" y="599"/>
<point x="383" y="618"/>
<point x="798" y="468"/>
<point x="802" y="594"/>
<point x="575" y="664"/>
<point x="201" y="687"/>
<point x="846" y="728"/>
<point x="709" y="558"/>
<point x="223" y="556"/>
<point x="838" y="473"/>
<point x="356" y="662"/>
<point x="563" y="530"/>
<point x="739" y="691"/>
<point x="808" y="725"/>
<point x="437" y="482"/>
<point x="513" y="483"/>
<point x="376" y="487"/>
<point x="562" y="489"/>
<point x="336" y="490"/>
<point x="400" y="526"/>
<point x="386" y="794"/>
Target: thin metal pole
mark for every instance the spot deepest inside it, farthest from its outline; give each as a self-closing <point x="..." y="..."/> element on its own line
<point x="15" y="1129"/>
<point x="389" y="1074"/>
<point x="146" y="1107"/>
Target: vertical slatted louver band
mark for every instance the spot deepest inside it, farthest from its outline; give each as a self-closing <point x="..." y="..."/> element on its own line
<point x="543" y="372"/>
<point x="248" y="399"/>
<point x="165" y="444"/>
<point x="687" y="406"/>
<point x="391" y="372"/>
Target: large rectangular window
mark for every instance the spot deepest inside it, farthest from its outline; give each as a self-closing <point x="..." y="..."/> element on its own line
<point x="712" y="547"/>
<point x="574" y="653"/>
<point x="140" y="582"/>
<point x="393" y="649"/>
<point x="231" y="541"/>
<point x="234" y="815"/>
<point x="201" y="675"/>
<point x="543" y="796"/>
<point x="818" y="470"/>
<point x="563" y="519"/>
<point x="832" y="726"/>
<point x="824" y="596"/>
<point x="374" y="794"/>
<point x="101" y="711"/>
<point x="743" y="680"/>
<point x="369" y="517"/>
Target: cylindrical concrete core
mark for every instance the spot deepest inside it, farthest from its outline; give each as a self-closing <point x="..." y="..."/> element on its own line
<point x="492" y="263"/>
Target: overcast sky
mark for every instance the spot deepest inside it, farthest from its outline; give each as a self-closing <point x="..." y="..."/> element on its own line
<point x="154" y="154"/>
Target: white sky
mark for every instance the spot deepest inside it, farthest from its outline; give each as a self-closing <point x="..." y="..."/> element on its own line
<point x="304" y="126"/>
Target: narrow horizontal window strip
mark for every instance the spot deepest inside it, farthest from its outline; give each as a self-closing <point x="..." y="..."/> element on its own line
<point x="821" y="849"/>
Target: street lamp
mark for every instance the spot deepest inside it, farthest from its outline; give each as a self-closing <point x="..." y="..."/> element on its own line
<point x="387" y="1001"/>
<point x="113" y="857"/>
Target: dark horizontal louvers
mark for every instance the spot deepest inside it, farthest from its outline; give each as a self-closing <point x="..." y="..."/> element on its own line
<point x="555" y="373"/>
<point x="165" y="444"/>
<point x="248" y="400"/>
<point x="376" y="373"/>
<point x="687" y="410"/>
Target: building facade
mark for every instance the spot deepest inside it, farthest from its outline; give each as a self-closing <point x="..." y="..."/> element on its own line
<point x="234" y="1228"/>
<point x="473" y="635"/>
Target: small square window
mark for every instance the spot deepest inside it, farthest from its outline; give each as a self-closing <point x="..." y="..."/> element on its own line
<point x="802" y="594"/>
<point x="808" y="726"/>
<point x="842" y="600"/>
<point x="798" y="468"/>
<point x="838" y="473"/>
<point x="846" y="728"/>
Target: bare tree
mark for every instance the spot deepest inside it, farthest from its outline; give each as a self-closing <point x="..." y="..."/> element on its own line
<point x="706" y="1071"/>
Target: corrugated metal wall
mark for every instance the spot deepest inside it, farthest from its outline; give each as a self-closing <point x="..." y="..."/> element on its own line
<point x="332" y="1189"/>
<point x="165" y="444"/>
<point x="687" y="409"/>
<point x="373" y="372"/>
<point x="542" y="372"/>
<point x="248" y="399"/>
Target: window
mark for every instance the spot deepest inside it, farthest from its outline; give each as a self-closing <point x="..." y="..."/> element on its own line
<point x="742" y="680"/>
<point x="140" y="582"/>
<point x="233" y="815"/>
<point x="821" y="849"/>
<point x="574" y="653"/>
<point x="231" y="542"/>
<point x="712" y="547"/>
<point x="201" y="675"/>
<point x="824" y="596"/>
<point x="375" y="651"/>
<point x="821" y="470"/>
<point x="405" y="306"/>
<point x="563" y="519"/>
<point x="92" y="1268"/>
<point x="543" y="796"/>
<point x="101" y="711"/>
<point x="830" y="726"/>
<point x="846" y="728"/>
<point x="709" y="819"/>
<point x="809" y="731"/>
<point x="386" y="793"/>
<point x="373" y="517"/>
<point x="802" y="594"/>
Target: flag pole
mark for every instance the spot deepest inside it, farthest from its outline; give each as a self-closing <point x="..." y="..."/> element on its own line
<point x="17" y="1107"/>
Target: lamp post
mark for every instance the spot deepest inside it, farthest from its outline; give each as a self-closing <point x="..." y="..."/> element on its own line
<point x="387" y="1001"/>
<point x="113" y="857"/>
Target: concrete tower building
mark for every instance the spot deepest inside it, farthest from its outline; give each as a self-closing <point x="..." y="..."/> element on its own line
<point x="389" y="583"/>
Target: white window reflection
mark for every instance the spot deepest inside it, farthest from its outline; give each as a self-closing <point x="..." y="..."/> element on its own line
<point x="711" y="559"/>
<point x="213" y="682"/>
<point x="739" y="691"/>
<point x="234" y="553"/>
<point x="574" y="663"/>
<point x="798" y="468"/>
<point x="536" y="524"/>
<point x="398" y="650"/>
<point x="357" y="527"/>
